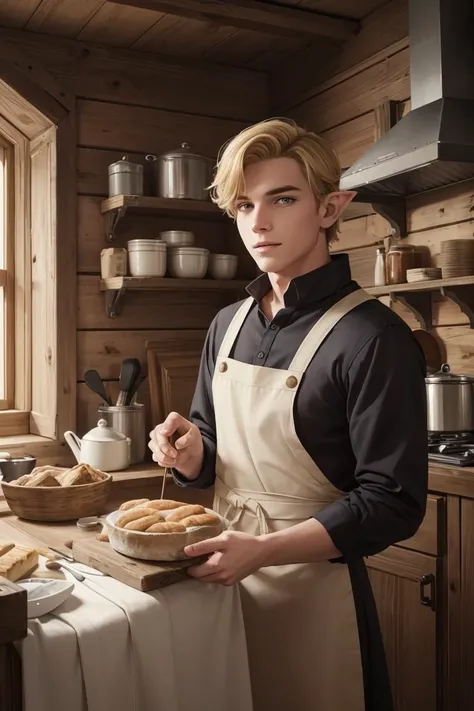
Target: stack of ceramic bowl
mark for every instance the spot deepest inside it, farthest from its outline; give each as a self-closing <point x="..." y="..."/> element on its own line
<point x="223" y="266"/>
<point x="457" y="258"/>
<point x="178" y="238"/>
<point x="147" y="257"/>
<point x="423" y="274"/>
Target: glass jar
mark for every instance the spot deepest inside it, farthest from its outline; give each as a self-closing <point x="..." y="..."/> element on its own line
<point x="400" y="257"/>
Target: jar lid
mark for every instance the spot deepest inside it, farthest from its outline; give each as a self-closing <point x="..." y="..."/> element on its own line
<point x="102" y="433"/>
<point x="445" y="376"/>
<point x="401" y="248"/>
<point x="125" y="166"/>
<point x="184" y="151"/>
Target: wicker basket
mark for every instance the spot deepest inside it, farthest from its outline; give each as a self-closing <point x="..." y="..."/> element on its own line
<point x="57" y="503"/>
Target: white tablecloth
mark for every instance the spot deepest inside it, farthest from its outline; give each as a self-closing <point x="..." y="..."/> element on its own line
<point x="110" y="647"/>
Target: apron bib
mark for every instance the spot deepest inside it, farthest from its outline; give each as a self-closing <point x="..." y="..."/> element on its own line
<point x="300" y="620"/>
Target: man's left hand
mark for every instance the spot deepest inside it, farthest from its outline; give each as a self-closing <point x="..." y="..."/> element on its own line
<point x="233" y="556"/>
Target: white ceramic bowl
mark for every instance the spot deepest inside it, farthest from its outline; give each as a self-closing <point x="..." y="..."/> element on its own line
<point x="137" y="245"/>
<point x="158" y="546"/>
<point x="145" y="260"/>
<point x="45" y="594"/>
<point x="178" y="238"/>
<point x="223" y="266"/>
<point x="188" y="262"/>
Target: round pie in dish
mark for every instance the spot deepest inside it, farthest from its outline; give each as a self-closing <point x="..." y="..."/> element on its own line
<point x="157" y="542"/>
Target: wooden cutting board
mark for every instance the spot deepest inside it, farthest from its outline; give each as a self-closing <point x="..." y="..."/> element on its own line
<point x="138" y="574"/>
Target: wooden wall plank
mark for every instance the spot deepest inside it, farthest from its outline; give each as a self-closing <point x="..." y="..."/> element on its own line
<point x="145" y="79"/>
<point x="442" y="206"/>
<point x="135" y="128"/>
<point x="389" y="79"/>
<point x="351" y="139"/>
<point x="297" y="79"/>
<point x="148" y="309"/>
<point x="105" y="350"/>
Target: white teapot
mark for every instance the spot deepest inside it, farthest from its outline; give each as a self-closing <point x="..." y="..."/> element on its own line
<point x="102" y="448"/>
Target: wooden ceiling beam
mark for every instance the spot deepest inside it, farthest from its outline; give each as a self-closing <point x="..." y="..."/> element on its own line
<point x="255" y="15"/>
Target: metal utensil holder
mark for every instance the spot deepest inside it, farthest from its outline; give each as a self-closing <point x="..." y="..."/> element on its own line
<point x="130" y="420"/>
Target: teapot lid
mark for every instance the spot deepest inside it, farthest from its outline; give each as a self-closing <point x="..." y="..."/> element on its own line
<point x="102" y="433"/>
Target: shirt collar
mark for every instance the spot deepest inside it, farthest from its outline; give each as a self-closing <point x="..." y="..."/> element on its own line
<point x="314" y="286"/>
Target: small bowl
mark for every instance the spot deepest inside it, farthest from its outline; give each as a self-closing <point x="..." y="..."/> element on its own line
<point x="15" y="467"/>
<point x="178" y="238"/>
<point x="223" y="266"/>
<point x="188" y="262"/>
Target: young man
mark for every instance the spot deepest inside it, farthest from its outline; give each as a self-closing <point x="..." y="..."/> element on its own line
<point x="309" y="417"/>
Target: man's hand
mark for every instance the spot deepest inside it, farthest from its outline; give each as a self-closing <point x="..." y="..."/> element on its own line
<point x="234" y="556"/>
<point x="187" y="453"/>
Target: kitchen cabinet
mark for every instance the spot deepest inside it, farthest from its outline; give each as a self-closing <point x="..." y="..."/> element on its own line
<point x="408" y="581"/>
<point x="467" y="605"/>
<point x="406" y="587"/>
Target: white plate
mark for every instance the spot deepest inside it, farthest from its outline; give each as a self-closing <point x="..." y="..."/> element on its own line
<point x="45" y="594"/>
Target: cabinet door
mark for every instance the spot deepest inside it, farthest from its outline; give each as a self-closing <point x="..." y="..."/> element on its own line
<point x="467" y="605"/>
<point x="406" y="591"/>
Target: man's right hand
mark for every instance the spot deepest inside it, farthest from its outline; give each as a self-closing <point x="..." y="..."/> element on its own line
<point x="186" y="454"/>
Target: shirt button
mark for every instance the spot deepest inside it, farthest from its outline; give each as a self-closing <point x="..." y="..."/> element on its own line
<point x="273" y="326"/>
<point x="261" y="354"/>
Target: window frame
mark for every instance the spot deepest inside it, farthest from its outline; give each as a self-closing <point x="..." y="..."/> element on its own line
<point x="46" y="378"/>
<point x="14" y="417"/>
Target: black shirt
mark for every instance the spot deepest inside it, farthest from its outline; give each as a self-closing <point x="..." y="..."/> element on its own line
<point x="360" y="411"/>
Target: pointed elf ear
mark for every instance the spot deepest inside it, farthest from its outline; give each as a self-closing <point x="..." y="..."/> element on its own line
<point x="334" y="205"/>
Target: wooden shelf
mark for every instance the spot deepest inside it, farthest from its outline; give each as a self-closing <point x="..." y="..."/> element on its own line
<point x="115" y="287"/>
<point x="417" y="296"/>
<point x="115" y="208"/>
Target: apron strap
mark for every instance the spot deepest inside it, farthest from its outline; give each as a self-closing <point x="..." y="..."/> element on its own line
<point x="324" y="326"/>
<point x="234" y="328"/>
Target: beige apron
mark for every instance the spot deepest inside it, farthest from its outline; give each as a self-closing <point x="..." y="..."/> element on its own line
<point x="300" y="620"/>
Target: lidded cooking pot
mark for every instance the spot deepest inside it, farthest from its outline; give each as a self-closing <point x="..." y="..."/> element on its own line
<point x="125" y="178"/>
<point x="450" y="401"/>
<point x="182" y="174"/>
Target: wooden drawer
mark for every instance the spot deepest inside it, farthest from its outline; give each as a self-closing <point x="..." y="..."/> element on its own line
<point x="430" y="536"/>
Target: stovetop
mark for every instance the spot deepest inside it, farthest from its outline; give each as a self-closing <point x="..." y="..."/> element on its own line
<point x="451" y="448"/>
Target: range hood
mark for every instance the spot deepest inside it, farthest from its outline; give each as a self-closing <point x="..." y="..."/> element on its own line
<point x="433" y="145"/>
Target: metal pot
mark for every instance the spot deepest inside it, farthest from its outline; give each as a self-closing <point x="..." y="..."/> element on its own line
<point x="125" y="178"/>
<point x="450" y="401"/>
<point x="182" y="174"/>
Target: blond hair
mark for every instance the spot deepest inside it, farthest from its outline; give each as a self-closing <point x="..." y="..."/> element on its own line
<point x="275" y="138"/>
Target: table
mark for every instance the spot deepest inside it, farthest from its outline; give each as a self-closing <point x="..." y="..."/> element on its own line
<point x="109" y="646"/>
